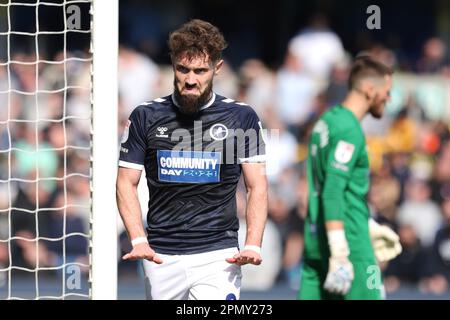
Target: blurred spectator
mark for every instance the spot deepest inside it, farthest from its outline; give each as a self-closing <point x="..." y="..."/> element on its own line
<point x="288" y="218"/>
<point x="50" y="224"/>
<point x="226" y="82"/>
<point x="279" y="211"/>
<point x="380" y="52"/>
<point x="401" y="136"/>
<point x="138" y="77"/>
<point x="72" y="248"/>
<point x="4" y="231"/>
<point x="256" y="85"/>
<point x="441" y="176"/>
<point x="295" y="94"/>
<point x="428" y="139"/>
<point x="434" y="57"/>
<point x="410" y="266"/>
<point x="281" y="147"/>
<point x="439" y="281"/>
<point x="35" y="161"/>
<point x="15" y="107"/>
<point x="293" y="247"/>
<point x="24" y="73"/>
<point x="399" y="162"/>
<point x="317" y="48"/>
<point x="27" y="225"/>
<point x="4" y="262"/>
<point x="431" y="98"/>
<point x="383" y="196"/>
<point x="419" y="212"/>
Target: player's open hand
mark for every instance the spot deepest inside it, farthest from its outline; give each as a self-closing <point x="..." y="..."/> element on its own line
<point x="143" y="251"/>
<point x="245" y="257"/>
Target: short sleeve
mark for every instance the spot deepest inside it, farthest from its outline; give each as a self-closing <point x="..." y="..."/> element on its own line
<point x="253" y="146"/>
<point x="344" y="151"/>
<point x="134" y="141"/>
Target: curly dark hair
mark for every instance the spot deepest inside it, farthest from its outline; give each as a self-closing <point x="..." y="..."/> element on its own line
<point x="197" y="38"/>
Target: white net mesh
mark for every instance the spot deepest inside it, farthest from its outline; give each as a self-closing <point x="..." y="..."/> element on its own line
<point x="45" y="148"/>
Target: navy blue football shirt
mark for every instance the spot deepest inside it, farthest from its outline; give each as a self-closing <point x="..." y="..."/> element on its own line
<point x="192" y="165"/>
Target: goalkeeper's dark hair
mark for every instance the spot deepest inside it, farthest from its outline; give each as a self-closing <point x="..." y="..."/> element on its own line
<point x="365" y="66"/>
<point x="197" y="38"/>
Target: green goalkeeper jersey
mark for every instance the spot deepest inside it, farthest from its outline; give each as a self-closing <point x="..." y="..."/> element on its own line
<point x="338" y="181"/>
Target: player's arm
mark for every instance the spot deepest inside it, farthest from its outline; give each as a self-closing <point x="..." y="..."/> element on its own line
<point x="128" y="202"/>
<point x="343" y="155"/>
<point x="256" y="213"/>
<point x="130" y="211"/>
<point x="131" y="164"/>
<point x="333" y="202"/>
<point x="340" y="270"/>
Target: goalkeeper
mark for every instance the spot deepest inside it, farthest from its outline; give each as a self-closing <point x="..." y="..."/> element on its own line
<point x="340" y="261"/>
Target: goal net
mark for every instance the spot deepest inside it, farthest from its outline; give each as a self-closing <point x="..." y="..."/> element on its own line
<point x="46" y="149"/>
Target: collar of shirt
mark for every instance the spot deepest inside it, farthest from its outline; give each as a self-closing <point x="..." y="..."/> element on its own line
<point x="208" y="104"/>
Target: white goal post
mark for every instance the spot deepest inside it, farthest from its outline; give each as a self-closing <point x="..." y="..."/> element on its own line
<point x="105" y="149"/>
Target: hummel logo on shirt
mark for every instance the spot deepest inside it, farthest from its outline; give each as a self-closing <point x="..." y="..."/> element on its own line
<point x="161" y="132"/>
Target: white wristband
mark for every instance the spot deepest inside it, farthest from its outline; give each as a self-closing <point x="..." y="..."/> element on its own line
<point x="138" y="240"/>
<point x="338" y="243"/>
<point x="253" y="248"/>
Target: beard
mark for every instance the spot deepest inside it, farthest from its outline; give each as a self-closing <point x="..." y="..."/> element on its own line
<point x="190" y="104"/>
<point x="376" y="112"/>
<point x="377" y="108"/>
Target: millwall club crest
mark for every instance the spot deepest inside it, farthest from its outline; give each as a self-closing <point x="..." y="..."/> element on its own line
<point x="126" y="132"/>
<point x="218" y="132"/>
<point x="344" y="151"/>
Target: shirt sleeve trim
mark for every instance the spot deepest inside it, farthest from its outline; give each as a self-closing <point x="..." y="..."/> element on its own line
<point x="257" y="158"/>
<point x="131" y="165"/>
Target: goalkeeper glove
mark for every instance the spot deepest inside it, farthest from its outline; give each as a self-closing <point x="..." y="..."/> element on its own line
<point x="340" y="269"/>
<point x="385" y="242"/>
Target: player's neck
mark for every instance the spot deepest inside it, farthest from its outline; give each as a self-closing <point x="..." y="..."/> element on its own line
<point x="356" y="103"/>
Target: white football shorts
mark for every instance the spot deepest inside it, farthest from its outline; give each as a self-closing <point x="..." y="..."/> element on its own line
<point x="200" y="276"/>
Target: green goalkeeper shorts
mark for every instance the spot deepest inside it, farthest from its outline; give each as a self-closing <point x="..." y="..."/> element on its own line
<point x="367" y="283"/>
